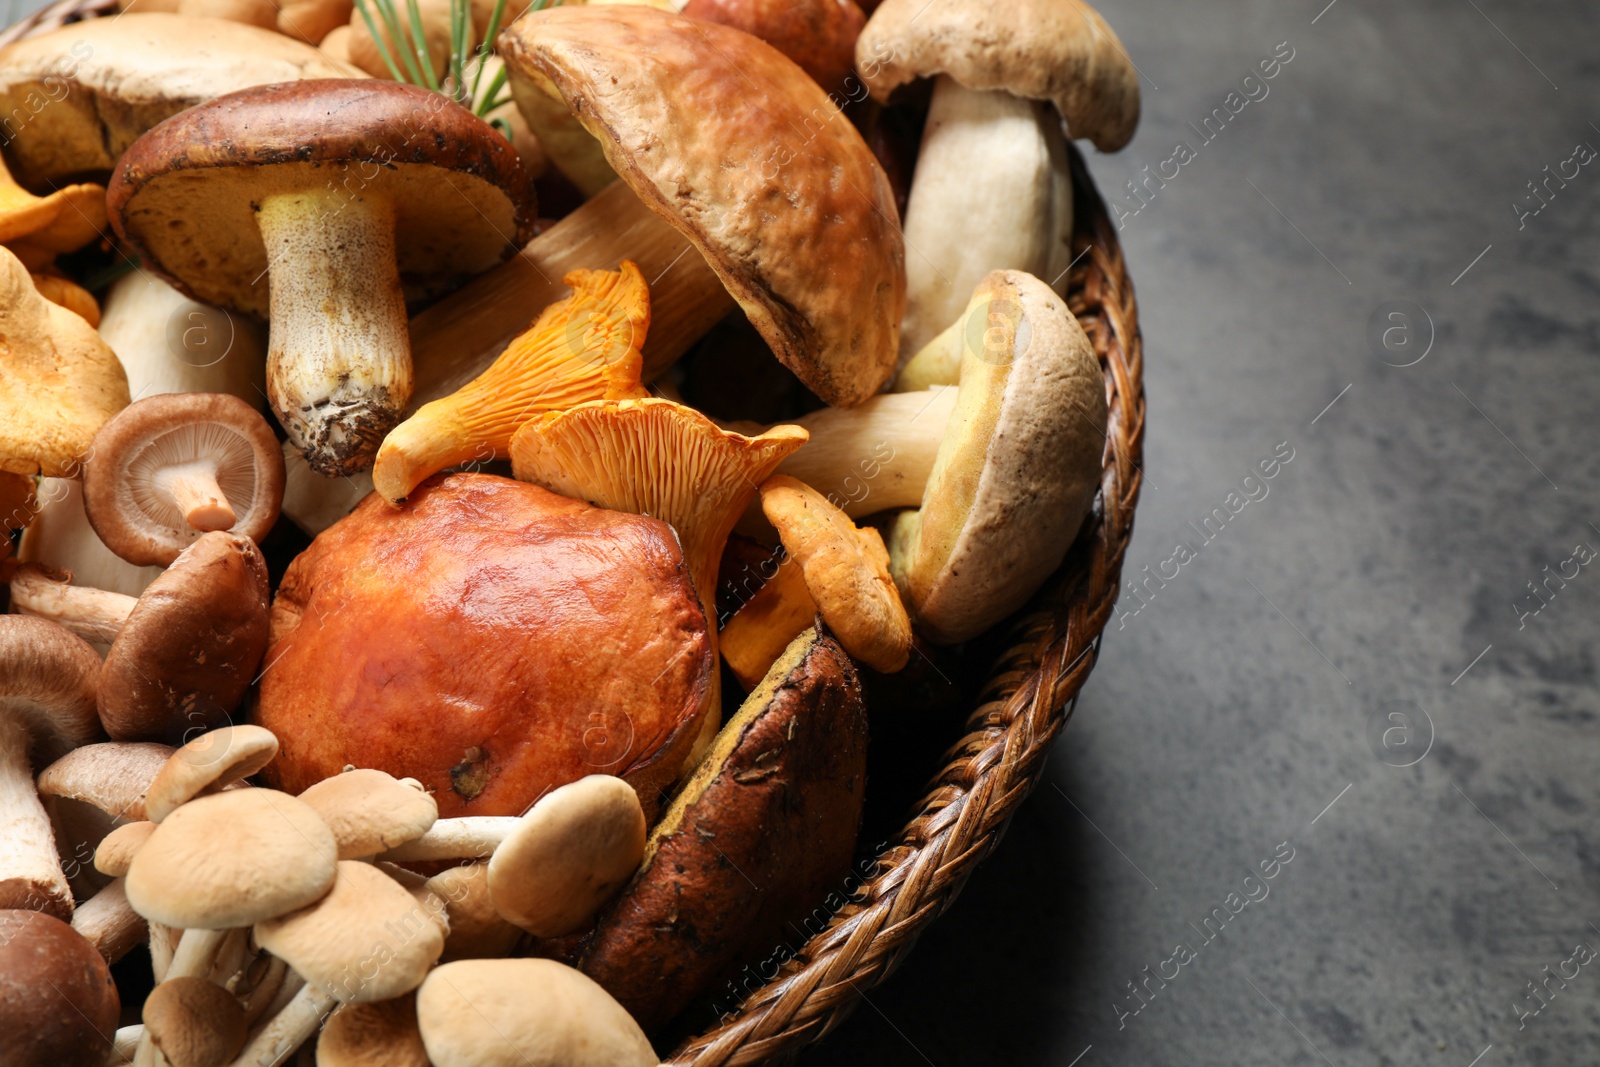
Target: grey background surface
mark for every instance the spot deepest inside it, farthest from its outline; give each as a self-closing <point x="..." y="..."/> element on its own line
<point x="1387" y="557"/>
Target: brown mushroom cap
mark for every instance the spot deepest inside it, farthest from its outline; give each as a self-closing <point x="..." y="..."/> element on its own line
<point x="191" y="645"/>
<point x="1056" y="50"/>
<point x="207" y="764"/>
<point x="232" y="859"/>
<point x="475" y="929"/>
<point x="728" y="140"/>
<point x="183" y="195"/>
<point x="113" y="776"/>
<point x="367" y="939"/>
<point x="45" y="675"/>
<point x="114" y="855"/>
<point x="380" y="1034"/>
<point x="819" y="35"/>
<point x="371" y="812"/>
<point x="92" y="87"/>
<point x="194" y="1022"/>
<point x="846" y="571"/>
<point x="148" y="458"/>
<point x="58" y="1005"/>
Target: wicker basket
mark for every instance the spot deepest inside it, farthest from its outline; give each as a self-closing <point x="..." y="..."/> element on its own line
<point x="1050" y="648"/>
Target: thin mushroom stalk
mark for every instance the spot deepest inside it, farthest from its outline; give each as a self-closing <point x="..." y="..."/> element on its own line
<point x="471" y="837"/>
<point x="288" y="1030"/>
<point x="339" y="357"/>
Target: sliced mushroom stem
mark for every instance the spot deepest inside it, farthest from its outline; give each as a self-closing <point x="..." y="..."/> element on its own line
<point x="472" y="837"/>
<point x="110" y="923"/>
<point x="93" y="614"/>
<point x="193" y="487"/>
<point x="339" y="359"/>
<point x="992" y="190"/>
<point x="31" y="878"/>
<point x="457" y="339"/>
<point x="288" y="1030"/>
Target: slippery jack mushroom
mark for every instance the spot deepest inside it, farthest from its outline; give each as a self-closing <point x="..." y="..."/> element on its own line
<point x="290" y="201"/>
<point x="569" y="855"/>
<point x="47" y="685"/>
<point x="833" y="568"/>
<point x="184" y="653"/>
<point x="169" y="468"/>
<point x="61" y="381"/>
<point x="57" y="1000"/>
<point x="510" y="1013"/>
<point x="583" y="347"/>
<point x="992" y="188"/>
<point x="663" y="459"/>
<point x="738" y="179"/>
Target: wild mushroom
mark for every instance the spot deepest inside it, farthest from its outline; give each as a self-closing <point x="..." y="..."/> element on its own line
<point x="381" y="1033"/>
<point x="833" y="569"/>
<point x="511" y="1013"/>
<point x="366" y="940"/>
<point x="583" y="347"/>
<point x="168" y="343"/>
<point x="169" y="468"/>
<point x="663" y="459"/>
<point x="475" y="929"/>
<point x="312" y="20"/>
<point x="64" y="220"/>
<point x="110" y="778"/>
<point x="109" y="923"/>
<point x="371" y="812"/>
<point x="740" y="153"/>
<point x="301" y="198"/>
<point x="370" y="38"/>
<point x="992" y="189"/>
<point x="467" y="837"/>
<point x="819" y="35"/>
<point x="262" y="13"/>
<point x="58" y="384"/>
<point x="208" y="764"/>
<point x="57" y="1000"/>
<point x="70" y="295"/>
<point x="194" y="1023"/>
<point x="183" y="654"/>
<point x="116" y="850"/>
<point x="47" y="684"/>
<point x="1016" y="472"/>
<point x="568" y="856"/>
<point x="90" y="88"/>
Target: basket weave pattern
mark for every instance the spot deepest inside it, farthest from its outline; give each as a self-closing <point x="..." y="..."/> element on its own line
<point x="1031" y="691"/>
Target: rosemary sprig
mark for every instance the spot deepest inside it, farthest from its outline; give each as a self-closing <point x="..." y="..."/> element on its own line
<point x="463" y="78"/>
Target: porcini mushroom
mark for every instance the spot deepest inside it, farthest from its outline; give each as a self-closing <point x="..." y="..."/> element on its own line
<point x="844" y="576"/>
<point x="740" y="153"/>
<point x="583" y="347"/>
<point x="183" y="654"/>
<point x="58" y="1005"/>
<point x="208" y="764"/>
<point x="168" y="468"/>
<point x="47" y="684"/>
<point x="366" y="940"/>
<point x="262" y="13"/>
<point x="992" y="188"/>
<point x="658" y="458"/>
<point x="381" y="1033"/>
<point x="568" y="855"/>
<point x="1016" y="472"/>
<point x="513" y="1013"/>
<point x="371" y="812"/>
<point x="90" y="88"/>
<point x="192" y="1022"/>
<point x="59" y="381"/>
<point x="819" y="35"/>
<point x="317" y="195"/>
<point x="168" y="343"/>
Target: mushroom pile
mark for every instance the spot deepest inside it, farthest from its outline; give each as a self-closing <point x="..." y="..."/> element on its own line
<point x="408" y="410"/>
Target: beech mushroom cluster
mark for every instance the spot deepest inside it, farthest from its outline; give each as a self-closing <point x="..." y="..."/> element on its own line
<point x="442" y="776"/>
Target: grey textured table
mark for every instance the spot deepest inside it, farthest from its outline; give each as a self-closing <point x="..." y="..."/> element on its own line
<point x="1385" y="573"/>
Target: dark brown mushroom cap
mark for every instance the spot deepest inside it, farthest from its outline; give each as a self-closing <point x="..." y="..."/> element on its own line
<point x="125" y="506"/>
<point x="47" y="682"/>
<point x="182" y="195"/>
<point x="58" y="1005"/>
<point x="732" y="143"/>
<point x="191" y="645"/>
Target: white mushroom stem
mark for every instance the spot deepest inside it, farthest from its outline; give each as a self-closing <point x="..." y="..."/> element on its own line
<point x="288" y="1030"/>
<point x="194" y="489"/>
<point x="196" y="953"/>
<point x="260" y="998"/>
<point x="93" y="614"/>
<point x="123" y="1044"/>
<point x="31" y="877"/>
<point x="871" y="457"/>
<point x="992" y="191"/>
<point x="339" y="356"/>
<point x="163" y="944"/>
<point x="109" y="922"/>
<point x="473" y="837"/>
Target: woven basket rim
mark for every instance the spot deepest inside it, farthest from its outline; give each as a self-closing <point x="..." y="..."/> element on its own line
<point x="1053" y="644"/>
